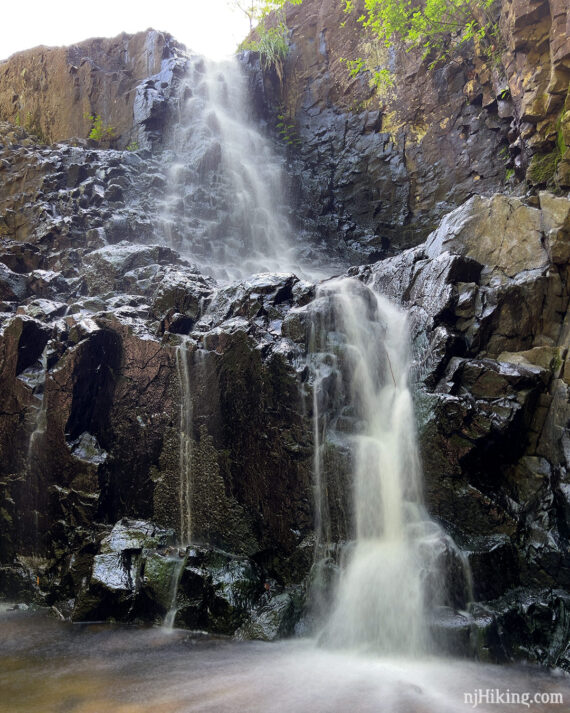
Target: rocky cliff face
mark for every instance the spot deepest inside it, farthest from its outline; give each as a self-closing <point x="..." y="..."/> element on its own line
<point x="130" y="383"/>
<point x="488" y="301"/>
<point x="93" y="310"/>
<point x="379" y="167"/>
<point x="53" y="91"/>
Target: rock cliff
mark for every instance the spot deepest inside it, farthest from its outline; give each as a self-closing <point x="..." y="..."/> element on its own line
<point x="128" y="378"/>
<point x="53" y="91"/>
<point x="379" y="167"/>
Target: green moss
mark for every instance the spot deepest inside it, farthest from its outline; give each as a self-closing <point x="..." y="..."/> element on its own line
<point x="542" y="168"/>
<point x="5" y="517"/>
<point x="560" y="142"/>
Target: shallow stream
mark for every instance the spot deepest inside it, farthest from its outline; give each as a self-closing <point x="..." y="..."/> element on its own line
<point x="48" y="666"/>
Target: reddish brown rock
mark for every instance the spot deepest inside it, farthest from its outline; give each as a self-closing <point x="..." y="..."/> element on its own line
<point x="52" y="91"/>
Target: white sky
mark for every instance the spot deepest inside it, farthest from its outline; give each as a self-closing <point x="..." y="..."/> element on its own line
<point x="209" y="27"/>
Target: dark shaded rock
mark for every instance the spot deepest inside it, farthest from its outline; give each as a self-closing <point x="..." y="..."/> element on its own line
<point x="17" y="582"/>
<point x="524" y="624"/>
<point x="116" y="575"/>
<point x="20" y="257"/>
<point x="217" y="591"/>
<point x="274" y="619"/>
<point x="13" y="287"/>
<point x="493" y="563"/>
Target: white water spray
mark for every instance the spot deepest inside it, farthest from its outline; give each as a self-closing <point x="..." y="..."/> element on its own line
<point x="225" y="208"/>
<point x="380" y="601"/>
<point x="185" y="447"/>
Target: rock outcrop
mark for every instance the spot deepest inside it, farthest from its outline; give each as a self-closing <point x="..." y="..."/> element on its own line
<point x="144" y="405"/>
<point x="488" y="301"/>
<point x="378" y="166"/>
<point x="53" y="92"/>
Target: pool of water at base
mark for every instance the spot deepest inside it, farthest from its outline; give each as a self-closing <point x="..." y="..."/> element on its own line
<point x="49" y="666"/>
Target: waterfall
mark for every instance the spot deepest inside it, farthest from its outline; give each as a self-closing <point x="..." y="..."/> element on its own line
<point x="225" y="210"/>
<point x="37" y="379"/>
<point x="380" y="601"/>
<point x="185" y="446"/>
<point x="225" y="205"/>
<point x="178" y="563"/>
<point x="40" y="416"/>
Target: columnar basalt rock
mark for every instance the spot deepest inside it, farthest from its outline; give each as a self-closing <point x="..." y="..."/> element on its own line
<point x="53" y="91"/>
<point x="95" y="303"/>
<point x="377" y="168"/>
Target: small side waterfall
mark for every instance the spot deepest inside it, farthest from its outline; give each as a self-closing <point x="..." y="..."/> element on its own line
<point x="36" y="378"/>
<point x="183" y="356"/>
<point x="361" y="351"/>
<point x="178" y="563"/>
<point x="225" y="206"/>
<point x="40" y="417"/>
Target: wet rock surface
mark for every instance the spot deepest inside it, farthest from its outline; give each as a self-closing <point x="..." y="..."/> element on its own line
<point x="376" y="167"/>
<point x="491" y="346"/>
<point x="106" y="324"/>
<point x="54" y="91"/>
<point x="96" y="305"/>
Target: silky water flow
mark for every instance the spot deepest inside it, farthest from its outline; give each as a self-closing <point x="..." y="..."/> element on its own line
<point x="225" y="210"/>
<point x="225" y="206"/>
<point x="391" y="578"/>
<point x="371" y="651"/>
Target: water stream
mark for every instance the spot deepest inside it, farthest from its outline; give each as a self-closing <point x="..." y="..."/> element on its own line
<point x="48" y="666"/>
<point x="36" y="378"/>
<point x="390" y="565"/>
<point x="226" y="207"/>
<point x="178" y="562"/>
<point x="183" y="356"/>
<point x="40" y="417"/>
<point x="226" y="210"/>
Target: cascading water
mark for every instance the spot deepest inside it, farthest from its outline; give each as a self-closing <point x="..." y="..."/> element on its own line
<point x="225" y="210"/>
<point x="185" y="447"/>
<point x="40" y="417"/>
<point x="177" y="562"/>
<point x="37" y="379"/>
<point x="360" y="349"/>
<point x="225" y="206"/>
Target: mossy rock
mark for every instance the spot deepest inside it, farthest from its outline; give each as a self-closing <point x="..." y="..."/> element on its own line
<point x="542" y="169"/>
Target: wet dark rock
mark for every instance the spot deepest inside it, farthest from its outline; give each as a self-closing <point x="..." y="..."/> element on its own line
<point x="493" y="563"/>
<point x="20" y="257"/>
<point x="274" y="618"/>
<point x="17" y="582"/>
<point x="108" y="266"/>
<point x="156" y="99"/>
<point x="217" y="590"/>
<point x="115" y="578"/>
<point x="451" y="632"/>
<point x="532" y="625"/>
<point x="181" y="291"/>
<point x="138" y="574"/>
<point x="13" y="287"/>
